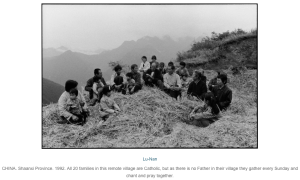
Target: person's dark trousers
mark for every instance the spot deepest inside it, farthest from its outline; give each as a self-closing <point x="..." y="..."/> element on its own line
<point x="172" y="93"/>
<point x="159" y="84"/>
<point x="81" y="119"/>
<point x="90" y="90"/>
<point x="121" y="89"/>
<point x="149" y="82"/>
<point x="201" y="98"/>
<point x="137" y="88"/>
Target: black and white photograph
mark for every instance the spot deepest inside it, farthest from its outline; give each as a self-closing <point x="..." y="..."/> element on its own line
<point x="149" y="76"/>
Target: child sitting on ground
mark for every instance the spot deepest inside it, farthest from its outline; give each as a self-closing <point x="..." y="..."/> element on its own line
<point x="119" y="80"/>
<point x="107" y="106"/>
<point x="130" y="83"/>
<point x="185" y="81"/>
<point x="76" y="107"/>
<point x="97" y="88"/>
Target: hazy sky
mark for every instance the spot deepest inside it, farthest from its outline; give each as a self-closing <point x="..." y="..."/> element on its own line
<point x="89" y="27"/>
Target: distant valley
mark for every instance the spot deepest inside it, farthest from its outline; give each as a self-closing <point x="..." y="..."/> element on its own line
<point x="61" y="64"/>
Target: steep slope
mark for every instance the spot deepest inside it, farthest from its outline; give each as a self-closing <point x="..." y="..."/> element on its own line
<point x="237" y="48"/>
<point x="51" y="91"/>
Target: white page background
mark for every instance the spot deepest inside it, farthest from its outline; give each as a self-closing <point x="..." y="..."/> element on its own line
<point x="278" y="108"/>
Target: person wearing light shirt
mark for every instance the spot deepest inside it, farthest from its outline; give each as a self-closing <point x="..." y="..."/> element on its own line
<point x="145" y="65"/>
<point x="172" y="82"/>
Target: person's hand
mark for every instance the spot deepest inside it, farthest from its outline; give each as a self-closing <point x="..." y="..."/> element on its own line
<point x="132" y="90"/>
<point x="177" y="88"/>
<point x="87" y="112"/>
<point x="75" y="118"/>
<point x="191" y="116"/>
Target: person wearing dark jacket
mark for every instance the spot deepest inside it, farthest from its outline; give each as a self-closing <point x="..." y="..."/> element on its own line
<point x="162" y="68"/>
<point x="136" y="76"/>
<point x="222" y="93"/>
<point x="197" y="87"/>
<point x="90" y="82"/>
<point x="153" y="76"/>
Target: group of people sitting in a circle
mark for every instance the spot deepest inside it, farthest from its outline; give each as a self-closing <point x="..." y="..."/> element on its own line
<point x="74" y="109"/>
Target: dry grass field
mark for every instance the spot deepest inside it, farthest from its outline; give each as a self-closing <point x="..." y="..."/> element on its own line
<point x="151" y="119"/>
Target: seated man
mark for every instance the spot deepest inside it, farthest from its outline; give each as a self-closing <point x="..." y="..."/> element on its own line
<point x="90" y="82"/>
<point x="197" y="88"/>
<point x="172" y="82"/>
<point x="153" y="76"/>
<point x="222" y="93"/>
<point x="145" y="65"/>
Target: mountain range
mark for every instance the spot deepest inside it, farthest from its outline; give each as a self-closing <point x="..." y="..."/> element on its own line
<point x="78" y="66"/>
<point x="51" y="91"/>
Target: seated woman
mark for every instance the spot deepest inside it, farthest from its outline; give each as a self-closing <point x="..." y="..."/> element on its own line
<point x="107" y="106"/>
<point x="66" y="116"/>
<point x="208" y="114"/>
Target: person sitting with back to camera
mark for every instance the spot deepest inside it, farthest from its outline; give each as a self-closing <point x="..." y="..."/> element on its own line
<point x="204" y="115"/>
<point x="107" y="106"/>
<point x="76" y="107"/>
<point x="118" y="80"/>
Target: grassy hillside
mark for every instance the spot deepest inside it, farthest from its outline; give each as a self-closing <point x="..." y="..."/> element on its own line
<point x="220" y="51"/>
<point x="51" y="91"/>
<point x="150" y="118"/>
